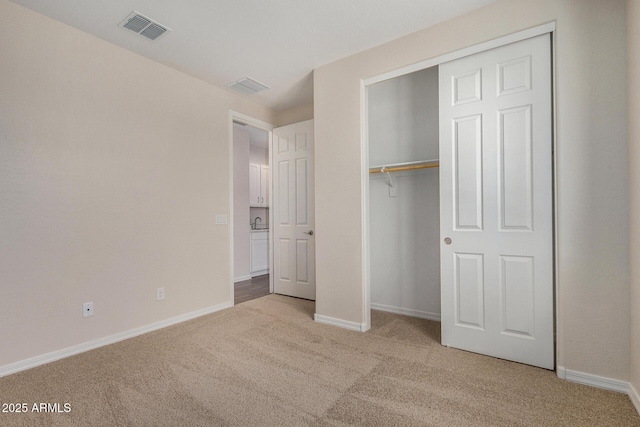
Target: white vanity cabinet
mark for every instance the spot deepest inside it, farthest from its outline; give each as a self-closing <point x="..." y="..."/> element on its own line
<point x="258" y="185"/>
<point x="259" y="253"/>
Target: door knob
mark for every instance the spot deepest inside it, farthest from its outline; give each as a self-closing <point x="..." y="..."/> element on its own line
<point x="447" y="240"/>
<point x="310" y="232"/>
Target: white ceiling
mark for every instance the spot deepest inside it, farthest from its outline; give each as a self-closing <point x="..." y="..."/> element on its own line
<point x="277" y="42"/>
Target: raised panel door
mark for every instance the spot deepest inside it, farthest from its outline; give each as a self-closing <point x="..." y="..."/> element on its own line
<point x="496" y="203"/>
<point x="293" y="211"/>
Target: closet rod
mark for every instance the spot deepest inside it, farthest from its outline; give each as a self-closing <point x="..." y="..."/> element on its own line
<point x="403" y="168"/>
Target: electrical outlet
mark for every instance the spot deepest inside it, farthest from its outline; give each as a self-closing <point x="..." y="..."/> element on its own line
<point x="87" y="309"/>
<point x="160" y="294"/>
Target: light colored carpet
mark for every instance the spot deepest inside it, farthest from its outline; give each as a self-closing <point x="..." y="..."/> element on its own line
<point x="267" y="363"/>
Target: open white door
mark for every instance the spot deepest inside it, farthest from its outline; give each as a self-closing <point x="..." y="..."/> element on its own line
<point x="496" y="203"/>
<point x="294" y="271"/>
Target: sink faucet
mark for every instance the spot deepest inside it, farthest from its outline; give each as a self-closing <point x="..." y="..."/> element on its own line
<point x="255" y="222"/>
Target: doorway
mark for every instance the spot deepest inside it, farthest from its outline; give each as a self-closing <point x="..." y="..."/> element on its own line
<point x="404" y="198"/>
<point x="276" y="181"/>
<point x="251" y="185"/>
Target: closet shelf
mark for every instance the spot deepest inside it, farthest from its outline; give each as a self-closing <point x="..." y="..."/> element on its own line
<point x="397" y="167"/>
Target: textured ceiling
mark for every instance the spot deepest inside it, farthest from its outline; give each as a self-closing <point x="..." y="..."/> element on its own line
<point x="277" y="42"/>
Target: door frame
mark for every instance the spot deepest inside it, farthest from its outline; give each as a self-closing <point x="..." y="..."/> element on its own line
<point x="548" y="28"/>
<point x="235" y="116"/>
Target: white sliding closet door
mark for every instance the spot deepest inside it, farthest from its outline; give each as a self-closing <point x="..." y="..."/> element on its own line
<point x="496" y="203"/>
<point x="294" y="271"/>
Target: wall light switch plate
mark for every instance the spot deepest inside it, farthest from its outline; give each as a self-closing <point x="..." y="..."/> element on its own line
<point x="160" y="294"/>
<point x="221" y="219"/>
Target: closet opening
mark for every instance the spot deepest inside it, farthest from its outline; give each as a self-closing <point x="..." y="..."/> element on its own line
<point x="404" y="208"/>
<point x="458" y="196"/>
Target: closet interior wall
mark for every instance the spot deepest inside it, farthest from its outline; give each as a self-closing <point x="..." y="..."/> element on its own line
<point x="404" y="225"/>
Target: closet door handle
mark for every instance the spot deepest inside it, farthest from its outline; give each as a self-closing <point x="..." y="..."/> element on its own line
<point x="310" y="232"/>
<point x="447" y="240"/>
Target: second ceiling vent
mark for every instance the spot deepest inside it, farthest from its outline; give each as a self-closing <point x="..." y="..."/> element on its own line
<point x="247" y="85"/>
<point x="146" y="27"/>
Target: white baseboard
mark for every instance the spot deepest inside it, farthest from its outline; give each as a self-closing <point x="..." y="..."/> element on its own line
<point x="43" y="359"/>
<point x="354" y="326"/>
<point x="259" y="273"/>
<point x="407" y="311"/>
<point x="241" y="278"/>
<point x="635" y="397"/>
<point x="593" y="380"/>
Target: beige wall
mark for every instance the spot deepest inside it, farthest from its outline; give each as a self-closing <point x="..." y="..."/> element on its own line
<point x="294" y="115"/>
<point x="633" y="72"/>
<point x="593" y="318"/>
<point x="112" y="169"/>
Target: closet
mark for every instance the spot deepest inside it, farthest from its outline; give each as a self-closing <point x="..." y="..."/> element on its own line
<point x="460" y="198"/>
<point x="404" y="194"/>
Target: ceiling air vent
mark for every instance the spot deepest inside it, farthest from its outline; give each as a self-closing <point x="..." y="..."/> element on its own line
<point x="143" y="26"/>
<point x="247" y="86"/>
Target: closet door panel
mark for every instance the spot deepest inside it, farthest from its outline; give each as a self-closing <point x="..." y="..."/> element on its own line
<point x="496" y="203"/>
<point x="466" y="87"/>
<point x="467" y="172"/>
<point x="514" y="76"/>
<point x="517" y="295"/>
<point x="469" y="290"/>
<point x="515" y="169"/>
